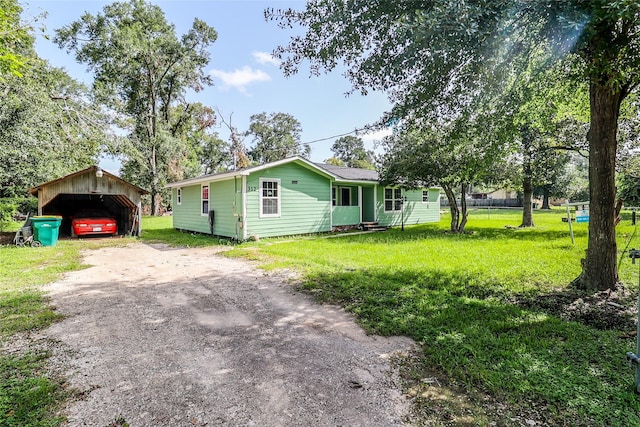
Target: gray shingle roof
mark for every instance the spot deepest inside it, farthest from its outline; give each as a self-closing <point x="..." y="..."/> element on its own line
<point x="355" y="174"/>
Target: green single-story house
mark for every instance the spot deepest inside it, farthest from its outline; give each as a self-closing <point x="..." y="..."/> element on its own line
<point x="295" y="196"/>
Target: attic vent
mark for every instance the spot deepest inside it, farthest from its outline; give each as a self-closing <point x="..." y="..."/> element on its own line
<point x="294" y="182"/>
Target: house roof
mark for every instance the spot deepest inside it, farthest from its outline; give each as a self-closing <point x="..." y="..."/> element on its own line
<point x="337" y="173"/>
<point x="91" y="170"/>
<point x="350" y="174"/>
<point x="247" y="171"/>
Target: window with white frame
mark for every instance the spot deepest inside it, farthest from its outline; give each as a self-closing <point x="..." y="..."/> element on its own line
<point x="179" y="196"/>
<point x="392" y="199"/>
<point x="204" y="200"/>
<point x="269" y="198"/>
<point x="425" y="196"/>
<point x="334" y="196"/>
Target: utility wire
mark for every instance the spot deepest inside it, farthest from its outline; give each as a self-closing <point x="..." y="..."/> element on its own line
<point x="355" y="131"/>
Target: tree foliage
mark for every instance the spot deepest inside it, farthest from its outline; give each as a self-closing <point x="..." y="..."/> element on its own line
<point x="143" y="70"/>
<point x="16" y="40"/>
<point x="350" y="150"/>
<point x="275" y="136"/>
<point x="429" y="54"/>
<point x="48" y="128"/>
<point x="452" y="158"/>
<point x="629" y="190"/>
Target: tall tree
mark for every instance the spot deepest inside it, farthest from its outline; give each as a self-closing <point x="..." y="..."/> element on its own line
<point x="350" y="149"/>
<point x="143" y="70"/>
<point x="276" y="136"/>
<point x="553" y="179"/>
<point x="451" y="157"/>
<point x="15" y="39"/>
<point x="204" y="152"/>
<point x="426" y="53"/>
<point x="48" y="128"/>
<point x="629" y="189"/>
<point x="335" y="161"/>
<point x="530" y="111"/>
<point x="238" y="157"/>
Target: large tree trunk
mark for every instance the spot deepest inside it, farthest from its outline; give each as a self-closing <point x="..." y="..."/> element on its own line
<point x="458" y="215"/>
<point x="154" y="182"/>
<point x="526" y="134"/>
<point x="545" y="197"/>
<point x="599" y="268"/>
<point x="453" y="208"/>
<point x="463" y="205"/>
<point x="527" y="195"/>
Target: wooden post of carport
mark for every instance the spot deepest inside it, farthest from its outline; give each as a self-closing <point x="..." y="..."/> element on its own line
<point x="139" y="218"/>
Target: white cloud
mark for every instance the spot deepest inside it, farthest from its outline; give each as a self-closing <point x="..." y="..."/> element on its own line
<point x="240" y="78"/>
<point x="376" y="136"/>
<point x="265" y="58"/>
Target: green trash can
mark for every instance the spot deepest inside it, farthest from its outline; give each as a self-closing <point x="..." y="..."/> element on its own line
<point x="46" y="229"/>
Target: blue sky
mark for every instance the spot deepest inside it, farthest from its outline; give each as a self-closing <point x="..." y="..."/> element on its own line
<point x="247" y="80"/>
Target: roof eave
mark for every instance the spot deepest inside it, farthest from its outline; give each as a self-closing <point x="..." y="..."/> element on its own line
<point x="207" y="178"/>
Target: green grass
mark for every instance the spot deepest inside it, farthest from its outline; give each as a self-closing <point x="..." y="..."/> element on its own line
<point x="29" y="394"/>
<point x="160" y="229"/>
<point x="457" y="296"/>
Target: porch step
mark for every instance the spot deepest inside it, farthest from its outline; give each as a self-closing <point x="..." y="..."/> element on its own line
<point x="372" y="226"/>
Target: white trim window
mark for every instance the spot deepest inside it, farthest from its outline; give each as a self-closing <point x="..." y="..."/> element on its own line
<point x="204" y="200"/>
<point x="179" y="196"/>
<point x="270" y="200"/>
<point x="334" y="196"/>
<point x="425" y="196"/>
<point x="392" y="199"/>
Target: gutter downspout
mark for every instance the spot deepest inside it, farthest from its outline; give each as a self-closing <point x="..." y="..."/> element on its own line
<point x="331" y="205"/>
<point x="375" y="203"/>
<point x="244" y="207"/>
<point x="360" y="201"/>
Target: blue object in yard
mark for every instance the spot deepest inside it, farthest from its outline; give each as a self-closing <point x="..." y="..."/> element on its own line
<point x="582" y="216"/>
<point x="46" y="229"/>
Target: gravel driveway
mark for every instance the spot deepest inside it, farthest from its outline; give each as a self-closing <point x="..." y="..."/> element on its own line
<point x="185" y="337"/>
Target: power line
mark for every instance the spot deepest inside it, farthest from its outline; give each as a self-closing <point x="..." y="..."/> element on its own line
<point x="355" y="131"/>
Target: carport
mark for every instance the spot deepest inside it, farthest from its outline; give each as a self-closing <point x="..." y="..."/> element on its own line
<point x="91" y="189"/>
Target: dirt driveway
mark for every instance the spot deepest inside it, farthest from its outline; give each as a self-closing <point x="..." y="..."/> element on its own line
<point x="185" y="337"/>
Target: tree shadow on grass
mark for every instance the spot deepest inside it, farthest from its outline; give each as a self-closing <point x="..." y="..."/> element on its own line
<point x="478" y="337"/>
<point x="431" y="231"/>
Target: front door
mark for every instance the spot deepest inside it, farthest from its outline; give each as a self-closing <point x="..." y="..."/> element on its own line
<point x="368" y="204"/>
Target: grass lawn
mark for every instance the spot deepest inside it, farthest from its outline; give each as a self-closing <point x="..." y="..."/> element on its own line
<point x="29" y="394"/>
<point x="483" y="308"/>
<point x="491" y="311"/>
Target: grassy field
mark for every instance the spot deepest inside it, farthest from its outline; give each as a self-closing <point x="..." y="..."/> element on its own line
<point x="485" y="308"/>
<point x="500" y="333"/>
<point x="30" y="395"/>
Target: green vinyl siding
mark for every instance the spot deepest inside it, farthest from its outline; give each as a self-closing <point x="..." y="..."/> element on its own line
<point x="305" y="202"/>
<point x="223" y="200"/>
<point x="297" y="199"/>
<point x="415" y="211"/>
<point x="346" y="215"/>
<point x="187" y="216"/>
<point x="226" y="203"/>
